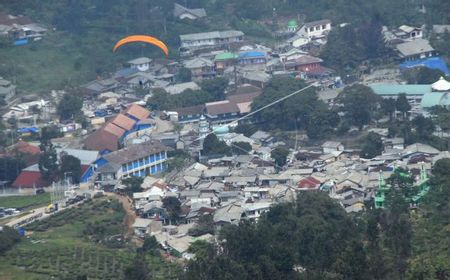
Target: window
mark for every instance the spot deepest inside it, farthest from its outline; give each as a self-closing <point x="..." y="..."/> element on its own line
<point x="324" y="27"/>
<point x="141" y="162"/>
<point x="130" y="166"/>
<point x="317" y="27"/>
<point x="311" y="29"/>
<point x="124" y="167"/>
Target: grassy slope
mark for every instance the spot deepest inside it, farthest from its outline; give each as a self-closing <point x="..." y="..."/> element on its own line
<point x="66" y="250"/>
<point x="28" y="201"/>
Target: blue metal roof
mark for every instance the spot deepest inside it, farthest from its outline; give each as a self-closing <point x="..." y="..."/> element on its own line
<point x="252" y="54"/>
<point x="432" y="63"/>
<point x="394" y="90"/>
<point x="435" y="99"/>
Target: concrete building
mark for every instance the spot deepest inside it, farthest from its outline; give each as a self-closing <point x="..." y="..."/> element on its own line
<point x="211" y="39"/>
<point x="315" y="29"/>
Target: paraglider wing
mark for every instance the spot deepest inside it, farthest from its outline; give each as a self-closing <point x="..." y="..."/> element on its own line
<point x="142" y="38"/>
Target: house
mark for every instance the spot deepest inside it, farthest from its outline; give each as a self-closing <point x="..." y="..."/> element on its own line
<point x="190" y="114"/>
<point x="229" y="214"/>
<point x="223" y="61"/>
<point x="97" y="87"/>
<point x="414" y="50"/>
<point x="30" y="177"/>
<point x="182" y="12"/>
<point x="136" y="112"/>
<point x="102" y="140"/>
<point x="256" y="78"/>
<point x="211" y="39"/>
<point x="408" y="32"/>
<point x="252" y="211"/>
<point x="292" y="54"/>
<point x="332" y="146"/>
<point x="179" y="88"/>
<point x="253" y="58"/>
<point x="140" y="63"/>
<point x="136" y="160"/>
<point x="297" y="41"/>
<point x="28" y="152"/>
<point x="315" y="29"/>
<point x="303" y="63"/>
<point x="244" y="100"/>
<point x="419" y="149"/>
<point x="7" y="90"/>
<point x="309" y="183"/>
<point x="439" y="95"/>
<point x="414" y="93"/>
<point x="394" y="143"/>
<point x="200" y="67"/>
<point x="221" y="111"/>
<point x="141" y="226"/>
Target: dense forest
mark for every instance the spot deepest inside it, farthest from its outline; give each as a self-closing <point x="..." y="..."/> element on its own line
<point x="313" y="238"/>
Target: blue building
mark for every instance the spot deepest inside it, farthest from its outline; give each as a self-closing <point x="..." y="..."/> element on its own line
<point x="139" y="160"/>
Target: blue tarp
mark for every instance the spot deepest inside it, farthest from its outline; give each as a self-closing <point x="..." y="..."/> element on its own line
<point x="432" y="63"/>
<point x="28" y="130"/>
<point x="20" y="42"/>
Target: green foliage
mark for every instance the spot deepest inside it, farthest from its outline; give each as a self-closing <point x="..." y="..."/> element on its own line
<point x="184" y="75"/>
<point x="372" y="146"/>
<point x="25" y="201"/>
<point x="313" y="233"/>
<point x="50" y="132"/>
<point x="177" y="159"/>
<point x="402" y="104"/>
<point x="151" y="246"/>
<point x="241" y="148"/>
<point x="71" y="166"/>
<point x="213" y="146"/>
<point x="161" y="100"/>
<point x="138" y="270"/>
<point x="10" y="168"/>
<point x="173" y="207"/>
<point x="360" y="104"/>
<point x="69" y="106"/>
<point x="279" y="155"/>
<point x="204" y="225"/>
<point x="246" y="129"/>
<point x="133" y="184"/>
<point x="215" y="87"/>
<point x="294" y="112"/>
<point x="322" y="123"/>
<point x="388" y="106"/>
<point x="48" y="160"/>
<point x="8" y="237"/>
<point x="422" y="75"/>
<point x="424" y="127"/>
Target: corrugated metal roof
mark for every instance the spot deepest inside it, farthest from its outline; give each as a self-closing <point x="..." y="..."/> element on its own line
<point x="394" y="90"/>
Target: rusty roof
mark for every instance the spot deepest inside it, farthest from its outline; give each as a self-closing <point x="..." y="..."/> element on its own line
<point x="137" y="112"/>
<point x="123" y="121"/>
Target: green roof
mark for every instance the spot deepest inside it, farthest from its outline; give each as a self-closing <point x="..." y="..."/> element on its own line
<point x="394" y="90"/>
<point x="225" y="56"/>
<point x="221" y="130"/>
<point x="292" y="23"/>
<point x="435" y="98"/>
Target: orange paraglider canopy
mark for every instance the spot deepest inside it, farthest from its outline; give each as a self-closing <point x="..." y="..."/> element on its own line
<point x="142" y="38"/>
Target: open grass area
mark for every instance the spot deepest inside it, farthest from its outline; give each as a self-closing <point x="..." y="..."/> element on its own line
<point x="81" y="241"/>
<point x="25" y="201"/>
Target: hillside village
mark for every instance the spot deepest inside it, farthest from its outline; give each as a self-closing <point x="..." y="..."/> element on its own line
<point x="124" y="136"/>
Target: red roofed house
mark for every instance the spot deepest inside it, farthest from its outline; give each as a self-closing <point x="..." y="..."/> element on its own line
<point x="137" y="112"/>
<point x="30" y="177"/>
<point x="29" y="152"/>
<point x="102" y="140"/>
<point x="309" y="183"/>
<point x="123" y="121"/>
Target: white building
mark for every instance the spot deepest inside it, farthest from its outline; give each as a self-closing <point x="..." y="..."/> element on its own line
<point x="141" y="63"/>
<point x="211" y="39"/>
<point x="315" y="29"/>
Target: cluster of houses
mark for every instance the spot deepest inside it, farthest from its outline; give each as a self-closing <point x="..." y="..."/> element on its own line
<point x="231" y="189"/>
<point x="20" y="29"/>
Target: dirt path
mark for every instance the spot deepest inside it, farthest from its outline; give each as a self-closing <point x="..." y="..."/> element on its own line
<point x="130" y="216"/>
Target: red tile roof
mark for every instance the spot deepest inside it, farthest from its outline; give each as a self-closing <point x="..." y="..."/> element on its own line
<point x="25" y="148"/>
<point x="113" y="129"/>
<point x="137" y="111"/>
<point x="308" y="183"/>
<point x="102" y="140"/>
<point x="221" y="107"/>
<point x="123" y="121"/>
<point x="30" y="179"/>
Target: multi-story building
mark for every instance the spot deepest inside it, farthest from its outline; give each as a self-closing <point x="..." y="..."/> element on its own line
<point x="139" y="160"/>
<point x="211" y="39"/>
<point x="315" y="29"/>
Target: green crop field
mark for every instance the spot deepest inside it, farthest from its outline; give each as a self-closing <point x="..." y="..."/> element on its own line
<point x="25" y="201"/>
<point x="85" y="241"/>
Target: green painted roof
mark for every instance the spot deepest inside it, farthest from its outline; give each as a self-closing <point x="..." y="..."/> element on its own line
<point x="292" y="23"/>
<point x="225" y="56"/>
<point x="435" y="98"/>
<point x="221" y="130"/>
<point x="394" y="90"/>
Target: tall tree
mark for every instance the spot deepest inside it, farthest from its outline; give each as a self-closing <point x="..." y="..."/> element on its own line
<point x="215" y="87"/>
<point x="184" y="75"/>
<point x="173" y="207"/>
<point x="212" y="145"/>
<point x="48" y="160"/>
<point x="241" y="148"/>
<point x="424" y="127"/>
<point x="71" y="166"/>
<point x="388" y="106"/>
<point x="69" y="106"/>
<point x="279" y="155"/>
<point x="359" y="104"/>
<point x="402" y="104"/>
<point x="372" y="146"/>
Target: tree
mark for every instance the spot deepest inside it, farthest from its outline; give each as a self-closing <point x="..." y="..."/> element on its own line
<point x="10" y="168"/>
<point x="48" y="160"/>
<point x="422" y="75"/>
<point x="279" y="155"/>
<point x="133" y="184"/>
<point x="359" y="104"/>
<point x="372" y="146"/>
<point x="184" y="75"/>
<point x="160" y="100"/>
<point x="215" y="87"/>
<point x="402" y="104"/>
<point x="138" y="270"/>
<point x="212" y="145"/>
<point x="8" y="237"/>
<point x="424" y="127"/>
<point x="70" y="165"/>
<point x="173" y="207"/>
<point x="177" y="159"/>
<point x="69" y="106"/>
<point x="241" y="148"/>
<point x="322" y="123"/>
<point x="204" y="225"/>
<point x="151" y="246"/>
<point x="246" y="129"/>
<point x="388" y="106"/>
